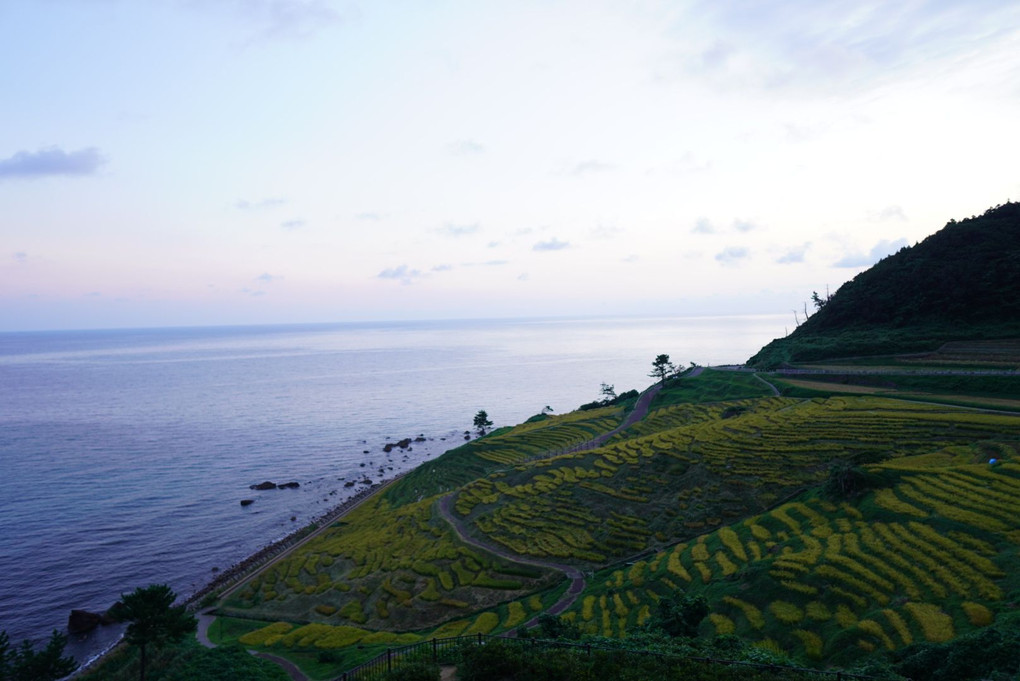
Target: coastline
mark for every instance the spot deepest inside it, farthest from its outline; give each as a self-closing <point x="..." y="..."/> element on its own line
<point x="230" y="578"/>
<point x="234" y="576"/>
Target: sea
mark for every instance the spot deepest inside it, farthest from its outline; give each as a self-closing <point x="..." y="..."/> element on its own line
<point x="125" y="454"/>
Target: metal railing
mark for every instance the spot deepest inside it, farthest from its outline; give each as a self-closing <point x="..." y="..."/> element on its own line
<point x="437" y="650"/>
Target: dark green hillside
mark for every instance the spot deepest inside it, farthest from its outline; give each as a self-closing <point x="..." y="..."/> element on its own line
<point x="961" y="283"/>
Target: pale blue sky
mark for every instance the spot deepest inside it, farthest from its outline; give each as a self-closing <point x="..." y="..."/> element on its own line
<point x="174" y="162"/>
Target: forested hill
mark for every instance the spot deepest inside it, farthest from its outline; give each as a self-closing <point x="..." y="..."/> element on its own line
<point x="961" y="283"/>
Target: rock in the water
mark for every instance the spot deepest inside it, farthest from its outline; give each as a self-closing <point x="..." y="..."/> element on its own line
<point x="83" y="621"/>
<point x="247" y="502"/>
<point x="263" y="485"/>
<point x="289" y="485"/>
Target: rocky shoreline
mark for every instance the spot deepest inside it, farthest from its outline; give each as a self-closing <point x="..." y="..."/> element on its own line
<point x="234" y="575"/>
<point x="237" y="572"/>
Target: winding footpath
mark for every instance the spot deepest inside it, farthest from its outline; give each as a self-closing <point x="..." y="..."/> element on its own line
<point x="576" y="577"/>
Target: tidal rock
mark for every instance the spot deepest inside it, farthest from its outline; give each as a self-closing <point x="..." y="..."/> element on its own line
<point x="289" y="485"/>
<point x="83" y="621"/>
<point x="247" y="502"/>
<point x="263" y="485"/>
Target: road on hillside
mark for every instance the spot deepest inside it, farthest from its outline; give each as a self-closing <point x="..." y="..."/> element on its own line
<point x="576" y="577"/>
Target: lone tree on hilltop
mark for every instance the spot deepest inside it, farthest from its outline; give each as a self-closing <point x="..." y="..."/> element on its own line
<point x="482" y="421"/>
<point x="153" y="619"/>
<point x="608" y="391"/>
<point x="662" y="368"/>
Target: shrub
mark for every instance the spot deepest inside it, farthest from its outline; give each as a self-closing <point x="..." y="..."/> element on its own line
<point x="414" y="671"/>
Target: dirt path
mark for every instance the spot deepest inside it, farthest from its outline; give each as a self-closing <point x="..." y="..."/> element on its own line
<point x="576" y="577"/>
<point x="572" y="573"/>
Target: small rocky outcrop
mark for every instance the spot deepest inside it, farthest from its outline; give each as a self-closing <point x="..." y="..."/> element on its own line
<point x="83" y="621"/>
<point x="247" y="502"/>
<point x="289" y="485"/>
<point x="403" y="444"/>
<point x="263" y="485"/>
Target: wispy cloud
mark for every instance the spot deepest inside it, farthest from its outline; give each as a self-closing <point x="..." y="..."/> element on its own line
<point x="823" y="47"/>
<point x="453" y="230"/>
<point x="401" y="273"/>
<point x="553" y="244"/>
<point x="591" y="166"/>
<point x="291" y="225"/>
<point x="51" y="162"/>
<point x="703" y="226"/>
<point x="369" y="217"/>
<point x="289" y="19"/>
<point x="794" y="255"/>
<point x="244" y="204"/>
<point x="744" y="225"/>
<point x="267" y="277"/>
<point x="465" y="148"/>
<point x="20" y="257"/>
<point x="605" y="231"/>
<point x="732" y="255"/>
<point x="886" y="214"/>
<point x="879" y="251"/>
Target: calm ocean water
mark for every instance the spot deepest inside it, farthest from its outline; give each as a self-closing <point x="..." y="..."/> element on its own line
<point x="124" y="454"/>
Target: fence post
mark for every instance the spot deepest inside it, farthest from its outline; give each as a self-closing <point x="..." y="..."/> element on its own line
<point x="389" y="660"/>
<point x="479" y="638"/>
<point x="587" y="648"/>
<point x="435" y="652"/>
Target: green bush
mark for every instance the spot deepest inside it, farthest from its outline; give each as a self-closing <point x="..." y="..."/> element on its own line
<point x="415" y="671"/>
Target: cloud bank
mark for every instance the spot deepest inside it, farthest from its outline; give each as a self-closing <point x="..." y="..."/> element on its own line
<point x="50" y="162"/>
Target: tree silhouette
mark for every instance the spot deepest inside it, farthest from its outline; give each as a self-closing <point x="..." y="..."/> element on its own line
<point x="154" y="620"/>
<point x="27" y="664"/>
<point x="482" y="421"/>
<point x="662" y="368"/>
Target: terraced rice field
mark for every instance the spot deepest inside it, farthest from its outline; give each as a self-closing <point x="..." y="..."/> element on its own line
<point x="385" y="568"/>
<point x="690" y="468"/>
<point x="905" y="566"/>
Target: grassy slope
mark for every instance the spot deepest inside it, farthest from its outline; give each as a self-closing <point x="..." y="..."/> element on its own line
<point x="712" y="475"/>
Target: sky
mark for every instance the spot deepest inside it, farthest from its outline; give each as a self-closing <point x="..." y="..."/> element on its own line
<point x="197" y="162"/>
